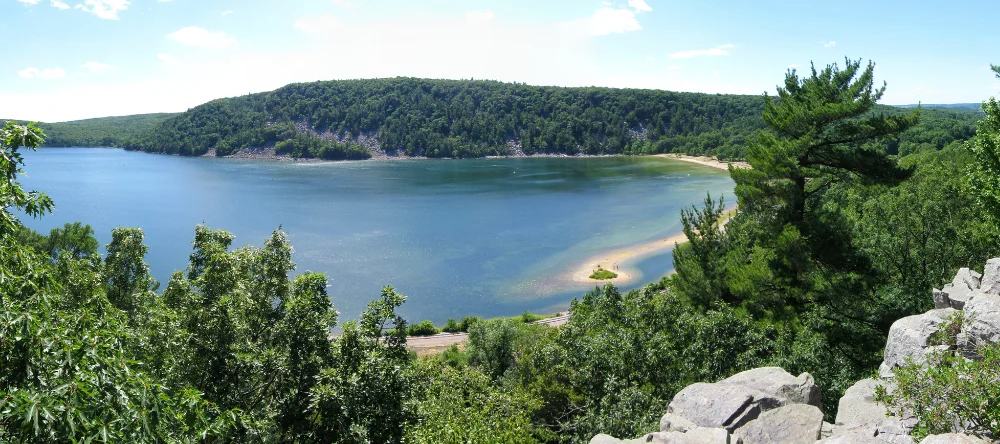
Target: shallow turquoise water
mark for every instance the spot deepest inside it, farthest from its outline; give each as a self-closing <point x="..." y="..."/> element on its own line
<point x="458" y="237"/>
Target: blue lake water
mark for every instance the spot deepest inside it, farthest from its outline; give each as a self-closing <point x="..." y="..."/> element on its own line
<point x="459" y="237"/>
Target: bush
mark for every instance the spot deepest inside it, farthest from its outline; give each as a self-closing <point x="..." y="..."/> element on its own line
<point x="452" y="327"/>
<point x="950" y="393"/>
<point x="528" y="317"/>
<point x="602" y="275"/>
<point x="468" y="322"/>
<point x="425" y="328"/>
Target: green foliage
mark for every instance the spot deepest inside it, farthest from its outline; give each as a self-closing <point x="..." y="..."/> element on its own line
<point x="601" y="274"/>
<point x="492" y="344"/>
<point x="101" y="132"/>
<point x="465" y="406"/>
<point x="366" y="395"/>
<point x="464" y="118"/>
<point x="424" y="328"/>
<point x="13" y="198"/>
<point x="302" y="146"/>
<point x="697" y="262"/>
<point x="76" y="239"/>
<point x="949" y="393"/>
<point x="985" y="147"/>
<point x="528" y="317"/>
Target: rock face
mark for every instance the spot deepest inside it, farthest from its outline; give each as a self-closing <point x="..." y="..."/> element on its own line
<point x="909" y="338"/>
<point x="792" y="424"/>
<point x="857" y="406"/>
<point x="720" y="405"/>
<point x="953" y="438"/>
<point x="779" y="383"/>
<point x="769" y="405"/>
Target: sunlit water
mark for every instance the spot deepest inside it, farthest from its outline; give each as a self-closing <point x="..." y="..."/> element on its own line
<point x="458" y="237"/>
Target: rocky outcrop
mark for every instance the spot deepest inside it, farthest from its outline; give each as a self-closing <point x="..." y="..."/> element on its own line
<point x="953" y="438"/>
<point x="794" y="423"/>
<point x="769" y="405"/>
<point x="910" y="339"/>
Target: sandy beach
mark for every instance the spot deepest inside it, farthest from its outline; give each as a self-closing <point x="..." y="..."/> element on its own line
<point x="704" y="160"/>
<point x="612" y="260"/>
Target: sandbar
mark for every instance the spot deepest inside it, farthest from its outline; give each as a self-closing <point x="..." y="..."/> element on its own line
<point x="612" y="260"/>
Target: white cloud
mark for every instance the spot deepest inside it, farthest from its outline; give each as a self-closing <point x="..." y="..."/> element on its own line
<point x="35" y="73"/>
<point x="29" y="2"/>
<point x="479" y="16"/>
<point x="830" y="44"/>
<point x="105" y="9"/>
<point x="202" y="38"/>
<point x="317" y="25"/>
<point x="97" y="67"/>
<point x="649" y="58"/>
<point x="59" y="5"/>
<point x="717" y="51"/>
<point x="167" y="59"/>
<point x="227" y="12"/>
<point x="794" y="65"/>
<point x="639" y="5"/>
<point x="606" y="21"/>
<point x="673" y="68"/>
<point x="343" y="3"/>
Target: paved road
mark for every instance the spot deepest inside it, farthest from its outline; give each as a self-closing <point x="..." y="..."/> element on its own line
<point x="428" y="345"/>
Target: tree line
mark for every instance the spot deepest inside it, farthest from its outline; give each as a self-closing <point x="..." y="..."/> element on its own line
<point x="466" y="118"/>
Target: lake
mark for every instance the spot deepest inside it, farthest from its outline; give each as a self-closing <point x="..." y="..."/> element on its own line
<point x="484" y="237"/>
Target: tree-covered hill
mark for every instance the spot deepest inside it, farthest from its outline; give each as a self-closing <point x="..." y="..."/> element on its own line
<point x="354" y="119"/>
<point x="465" y="118"/>
<point x="104" y="131"/>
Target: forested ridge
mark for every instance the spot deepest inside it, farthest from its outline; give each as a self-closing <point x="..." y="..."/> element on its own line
<point x="466" y="118"/>
<point x="836" y="237"/>
<point x="103" y="131"/>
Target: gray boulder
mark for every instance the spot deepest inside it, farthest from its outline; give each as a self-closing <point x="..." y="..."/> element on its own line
<point x="776" y="381"/>
<point x="697" y="435"/>
<point x="982" y="321"/>
<point x="852" y="436"/>
<point x="968" y="277"/>
<point x="791" y="424"/>
<point x="959" y="291"/>
<point x="857" y="406"/>
<point x="990" y="282"/>
<point x="604" y="439"/>
<point x="896" y="430"/>
<point x="941" y="299"/>
<point x="721" y="405"/>
<point x="909" y="337"/>
<point x="675" y="423"/>
<point x="953" y="438"/>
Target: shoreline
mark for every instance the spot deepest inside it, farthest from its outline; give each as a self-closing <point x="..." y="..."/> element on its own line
<point x="268" y="154"/>
<point x="613" y="260"/>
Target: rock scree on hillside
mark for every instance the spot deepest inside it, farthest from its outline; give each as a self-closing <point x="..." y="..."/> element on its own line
<point x="769" y="405"/>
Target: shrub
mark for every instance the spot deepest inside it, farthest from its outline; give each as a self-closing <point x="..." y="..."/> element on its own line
<point x="950" y="393"/>
<point x="602" y="275"/>
<point x="425" y="328"/>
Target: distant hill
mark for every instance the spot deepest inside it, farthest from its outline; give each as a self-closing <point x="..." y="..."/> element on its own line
<point x="461" y="118"/>
<point x="977" y="107"/>
<point x="356" y="119"/>
<point x="101" y="132"/>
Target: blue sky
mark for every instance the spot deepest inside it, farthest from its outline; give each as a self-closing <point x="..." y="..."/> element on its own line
<point x="71" y="59"/>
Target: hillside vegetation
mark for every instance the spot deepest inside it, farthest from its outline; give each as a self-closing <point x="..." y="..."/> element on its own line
<point x="102" y="132"/>
<point x="354" y="119"/>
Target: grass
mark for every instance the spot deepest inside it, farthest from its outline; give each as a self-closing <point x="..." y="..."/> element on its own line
<point x="602" y="275"/>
